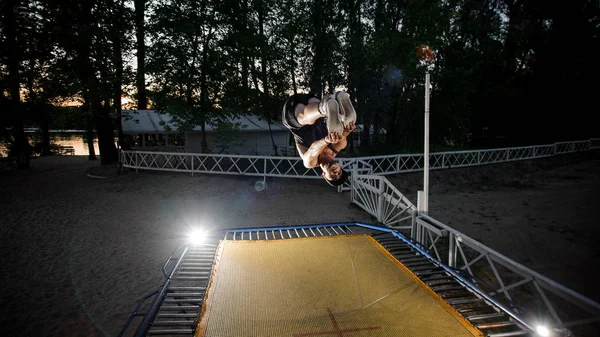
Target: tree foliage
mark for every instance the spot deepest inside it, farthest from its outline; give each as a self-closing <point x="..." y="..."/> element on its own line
<point x="511" y="70"/>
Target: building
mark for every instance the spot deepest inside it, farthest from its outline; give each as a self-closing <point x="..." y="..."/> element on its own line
<point x="151" y="130"/>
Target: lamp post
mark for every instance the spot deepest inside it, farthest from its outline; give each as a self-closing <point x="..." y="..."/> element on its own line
<point x="426" y="150"/>
<point x="427" y="57"/>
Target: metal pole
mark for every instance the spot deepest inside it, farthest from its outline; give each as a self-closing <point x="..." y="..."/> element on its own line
<point x="426" y="154"/>
<point x="380" y="196"/>
<point x="265" y="171"/>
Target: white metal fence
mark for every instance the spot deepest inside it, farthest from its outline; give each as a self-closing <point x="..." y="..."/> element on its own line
<point x="535" y="297"/>
<point x="380" y="165"/>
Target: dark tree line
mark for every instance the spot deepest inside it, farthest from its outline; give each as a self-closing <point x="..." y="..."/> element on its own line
<point x="520" y="70"/>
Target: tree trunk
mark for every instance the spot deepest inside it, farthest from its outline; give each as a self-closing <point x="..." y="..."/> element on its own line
<point x="90" y="132"/>
<point x="21" y="145"/>
<point x="118" y="61"/>
<point x="45" y="126"/>
<point x="204" y="104"/>
<point x="293" y="65"/>
<point x="244" y="52"/>
<point x="106" y="142"/>
<point x="316" y="80"/>
<point x="140" y="8"/>
<point x="263" y="65"/>
<point x="104" y="128"/>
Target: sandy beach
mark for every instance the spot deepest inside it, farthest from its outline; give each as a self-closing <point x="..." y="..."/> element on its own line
<point x="78" y="253"/>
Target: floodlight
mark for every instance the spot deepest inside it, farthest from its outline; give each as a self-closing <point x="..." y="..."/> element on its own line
<point x="542" y="331"/>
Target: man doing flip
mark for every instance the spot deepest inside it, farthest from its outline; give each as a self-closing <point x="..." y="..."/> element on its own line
<point x="320" y="129"/>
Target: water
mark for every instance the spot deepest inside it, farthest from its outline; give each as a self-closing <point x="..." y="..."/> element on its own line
<point x="74" y="140"/>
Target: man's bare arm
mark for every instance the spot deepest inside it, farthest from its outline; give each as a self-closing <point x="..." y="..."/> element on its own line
<point x="310" y="156"/>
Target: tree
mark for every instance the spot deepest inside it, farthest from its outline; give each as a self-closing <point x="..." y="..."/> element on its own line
<point x="184" y="62"/>
<point x="82" y="34"/>
<point x="11" y="29"/>
<point x="140" y="34"/>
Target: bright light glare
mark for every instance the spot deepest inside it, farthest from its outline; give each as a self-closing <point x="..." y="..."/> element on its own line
<point x="542" y="331"/>
<point x="196" y="237"/>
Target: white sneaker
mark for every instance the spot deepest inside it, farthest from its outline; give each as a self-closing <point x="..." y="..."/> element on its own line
<point x="330" y="108"/>
<point x="346" y="108"/>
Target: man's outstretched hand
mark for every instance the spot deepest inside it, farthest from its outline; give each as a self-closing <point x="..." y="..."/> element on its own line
<point x="348" y="129"/>
<point x="333" y="138"/>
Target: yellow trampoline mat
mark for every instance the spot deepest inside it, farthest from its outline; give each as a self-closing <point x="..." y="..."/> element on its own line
<point x="325" y="286"/>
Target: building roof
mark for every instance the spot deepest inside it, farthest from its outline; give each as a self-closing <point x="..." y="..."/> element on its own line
<point x="151" y="121"/>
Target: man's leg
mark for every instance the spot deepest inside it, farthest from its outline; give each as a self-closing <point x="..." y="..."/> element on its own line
<point x="346" y="108"/>
<point x="329" y="108"/>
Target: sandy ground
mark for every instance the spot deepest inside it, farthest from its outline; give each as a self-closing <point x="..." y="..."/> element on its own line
<point x="78" y="253"/>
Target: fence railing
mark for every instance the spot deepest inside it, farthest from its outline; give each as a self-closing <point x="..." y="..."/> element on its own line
<point x="534" y="296"/>
<point x="378" y="197"/>
<point x="379" y="165"/>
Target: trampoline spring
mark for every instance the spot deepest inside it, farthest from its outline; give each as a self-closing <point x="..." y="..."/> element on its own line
<point x="479" y="308"/>
<point x="509" y="334"/>
<point x="191" y="277"/>
<point x="437" y="278"/>
<point x="410" y="258"/>
<point x="187" y="288"/>
<point x="205" y="270"/>
<point x="205" y="256"/>
<point x="196" y="264"/>
<point x="174" y="323"/>
<point x="417" y="263"/>
<point x="180" y="307"/>
<point x="465" y="301"/>
<point x="391" y="239"/>
<point x="200" y="294"/>
<point x="202" y="248"/>
<point x="455" y="294"/>
<point x="333" y="229"/>
<point x="175" y="315"/>
<point x="297" y="235"/>
<point x="486" y="316"/>
<point x="171" y="332"/>
<point x="288" y="231"/>
<point x="495" y="325"/>
<point x="433" y="272"/>
<point x="419" y="268"/>
<point x="439" y="282"/>
<point x="318" y="230"/>
<point x="192" y="273"/>
<point x="313" y="233"/>
<point x="197" y="260"/>
<point x="406" y="252"/>
<point x="182" y="300"/>
<point x="442" y="289"/>
<point x="306" y="235"/>
<point x="396" y="245"/>
<point x="349" y="230"/>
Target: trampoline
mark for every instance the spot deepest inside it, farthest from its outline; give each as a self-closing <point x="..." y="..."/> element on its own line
<point x="317" y="280"/>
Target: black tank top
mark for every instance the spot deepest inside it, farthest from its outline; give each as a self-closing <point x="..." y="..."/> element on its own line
<point x="309" y="134"/>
